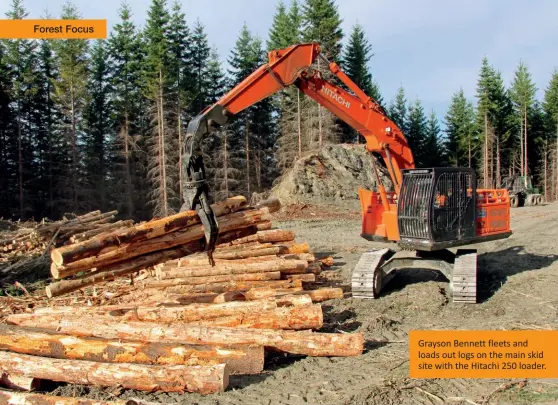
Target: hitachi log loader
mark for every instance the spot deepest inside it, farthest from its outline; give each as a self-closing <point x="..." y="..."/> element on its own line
<point x="427" y="212"/>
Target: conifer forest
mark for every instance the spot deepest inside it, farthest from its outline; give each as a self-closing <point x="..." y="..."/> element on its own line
<point x="99" y="124"/>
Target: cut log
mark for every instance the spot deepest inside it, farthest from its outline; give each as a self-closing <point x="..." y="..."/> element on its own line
<point x="255" y="265"/>
<point x="293" y="300"/>
<point x="271" y="236"/>
<point x="139" y="263"/>
<point x="321" y="294"/>
<point x="272" y="275"/>
<point x="233" y="286"/>
<point x="147" y="230"/>
<point x="17" y="382"/>
<point x="314" y="268"/>
<point x="227" y="247"/>
<point x="249" y="252"/>
<point x="26" y="398"/>
<point x="101" y="230"/>
<point x="201" y="379"/>
<point x="259" y="293"/>
<point x="327" y="261"/>
<point x="272" y="203"/>
<point x="201" y="260"/>
<point x="126" y="251"/>
<point x="287" y="318"/>
<point x="240" y="359"/>
<point x="166" y="314"/>
<point x="264" y="226"/>
<point x="294" y="248"/>
<point x="306" y="278"/>
<point x="306" y="343"/>
<point x="309" y="257"/>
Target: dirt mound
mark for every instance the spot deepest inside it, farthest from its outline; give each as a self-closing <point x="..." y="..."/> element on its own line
<point x="329" y="176"/>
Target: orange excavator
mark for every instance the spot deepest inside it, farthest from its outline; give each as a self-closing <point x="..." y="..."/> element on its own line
<point x="427" y="212"/>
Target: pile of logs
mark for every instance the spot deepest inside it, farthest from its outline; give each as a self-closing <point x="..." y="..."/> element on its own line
<point x="186" y="324"/>
<point x="24" y="244"/>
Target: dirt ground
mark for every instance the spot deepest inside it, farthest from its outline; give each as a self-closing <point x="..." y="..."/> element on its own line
<point x="518" y="290"/>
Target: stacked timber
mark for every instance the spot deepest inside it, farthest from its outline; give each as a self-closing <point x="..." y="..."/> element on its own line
<point x="186" y="324"/>
<point x="23" y="244"/>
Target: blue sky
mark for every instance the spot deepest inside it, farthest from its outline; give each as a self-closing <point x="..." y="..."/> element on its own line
<point x="431" y="47"/>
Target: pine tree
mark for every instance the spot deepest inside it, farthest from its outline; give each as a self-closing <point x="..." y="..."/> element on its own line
<point x="253" y="129"/>
<point x="523" y="95"/>
<point x="416" y="133"/>
<point x="125" y="56"/>
<point x="162" y="148"/>
<point x="322" y="23"/>
<point x="214" y="82"/>
<point x="281" y="28"/>
<point x="20" y="57"/>
<point x="70" y="96"/>
<point x="45" y="117"/>
<point x="9" y="173"/>
<point x="461" y="137"/>
<point x="397" y="110"/>
<point x="434" y="153"/>
<point x="485" y="113"/>
<point x="98" y="124"/>
<point x="199" y="57"/>
<point x="550" y="106"/>
<point x="180" y="92"/>
<point x="356" y="56"/>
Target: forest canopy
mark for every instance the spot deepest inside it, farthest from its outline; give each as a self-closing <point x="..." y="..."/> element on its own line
<point x="99" y="124"/>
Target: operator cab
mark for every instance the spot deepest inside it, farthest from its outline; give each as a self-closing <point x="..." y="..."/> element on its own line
<point x="438" y="208"/>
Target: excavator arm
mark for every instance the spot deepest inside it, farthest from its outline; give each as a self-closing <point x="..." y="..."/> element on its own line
<point x="285" y="67"/>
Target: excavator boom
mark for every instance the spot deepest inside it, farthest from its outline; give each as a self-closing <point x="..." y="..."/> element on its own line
<point x="285" y="67"/>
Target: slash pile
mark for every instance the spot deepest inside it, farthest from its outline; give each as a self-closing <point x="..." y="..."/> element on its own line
<point x="186" y="325"/>
<point x="23" y="244"/>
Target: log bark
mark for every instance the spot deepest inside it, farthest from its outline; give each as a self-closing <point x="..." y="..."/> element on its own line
<point x="101" y="231"/>
<point x="148" y="230"/>
<point x="17" y="382"/>
<point x="26" y="398"/>
<point x="309" y="257"/>
<point x="272" y="203"/>
<point x="240" y="359"/>
<point x="305" y="343"/>
<point x="200" y="260"/>
<point x="126" y="251"/>
<point x="270" y="236"/>
<point x="237" y="267"/>
<point x="249" y="252"/>
<point x="233" y="286"/>
<point x="127" y="267"/>
<point x="264" y="226"/>
<point x="259" y="293"/>
<point x="321" y="294"/>
<point x="268" y="276"/>
<point x="227" y="247"/>
<point x="327" y="261"/>
<point x="314" y="268"/>
<point x="287" y="318"/>
<point x="293" y="300"/>
<point x="305" y="278"/>
<point x="201" y="379"/>
<point x="166" y="314"/>
<point x="294" y="248"/>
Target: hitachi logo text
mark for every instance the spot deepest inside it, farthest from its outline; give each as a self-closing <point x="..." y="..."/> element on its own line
<point x="336" y="97"/>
